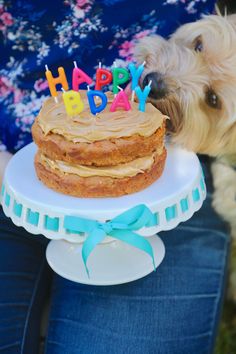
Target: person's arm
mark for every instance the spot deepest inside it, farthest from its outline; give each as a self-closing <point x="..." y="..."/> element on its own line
<point x="4" y="158"/>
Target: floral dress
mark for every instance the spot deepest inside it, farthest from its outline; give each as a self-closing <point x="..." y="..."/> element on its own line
<point x="35" y="33"/>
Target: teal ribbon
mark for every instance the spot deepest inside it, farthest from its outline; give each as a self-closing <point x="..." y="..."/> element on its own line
<point x="121" y="228"/>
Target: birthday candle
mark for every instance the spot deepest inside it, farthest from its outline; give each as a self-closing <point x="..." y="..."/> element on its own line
<point x="91" y="99"/>
<point x="120" y="76"/>
<point x="79" y="77"/>
<point x="121" y="100"/>
<point x="135" y="74"/>
<point x="103" y="77"/>
<point x="53" y="81"/>
<point x="73" y="103"/>
<point x="142" y="95"/>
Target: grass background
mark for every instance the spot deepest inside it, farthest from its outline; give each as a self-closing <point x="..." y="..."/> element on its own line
<point x="226" y="340"/>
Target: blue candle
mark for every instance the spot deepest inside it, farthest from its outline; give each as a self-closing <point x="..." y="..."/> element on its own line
<point x="142" y="96"/>
<point x="93" y="107"/>
<point x="135" y="74"/>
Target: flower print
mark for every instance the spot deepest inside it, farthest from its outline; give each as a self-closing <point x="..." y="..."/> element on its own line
<point x="17" y="95"/>
<point x="78" y="25"/>
<point x="42" y="52"/>
<point x="120" y="63"/>
<point x="190" y="8"/>
<point x="173" y="2"/>
<point x="40" y="85"/>
<point x="126" y="38"/>
<point x="81" y="3"/>
<point x="78" y="12"/>
<point x="142" y="34"/>
<point x="6" y="86"/>
<point x="127" y="49"/>
<point x="24" y="35"/>
<point x="14" y="69"/>
<point x="26" y="110"/>
<point x="6" y="18"/>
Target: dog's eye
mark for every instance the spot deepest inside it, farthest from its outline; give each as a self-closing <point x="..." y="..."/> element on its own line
<point x="212" y="99"/>
<point x="198" y="45"/>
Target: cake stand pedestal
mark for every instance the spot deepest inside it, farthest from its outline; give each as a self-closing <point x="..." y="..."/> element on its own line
<point x="173" y="199"/>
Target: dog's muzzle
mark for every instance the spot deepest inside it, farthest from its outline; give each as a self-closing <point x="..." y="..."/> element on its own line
<point x="158" y="87"/>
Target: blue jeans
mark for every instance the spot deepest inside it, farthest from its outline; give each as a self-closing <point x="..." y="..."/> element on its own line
<point x="174" y="310"/>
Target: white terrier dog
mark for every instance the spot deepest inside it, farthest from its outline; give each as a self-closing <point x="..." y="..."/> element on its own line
<point x="194" y="82"/>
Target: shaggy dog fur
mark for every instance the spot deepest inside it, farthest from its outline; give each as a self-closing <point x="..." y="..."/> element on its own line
<point x="194" y="82"/>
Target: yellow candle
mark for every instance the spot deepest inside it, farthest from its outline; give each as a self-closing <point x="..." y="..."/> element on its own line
<point x="73" y="103"/>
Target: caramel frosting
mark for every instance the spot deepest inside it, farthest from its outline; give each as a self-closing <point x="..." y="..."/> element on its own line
<point x="128" y="169"/>
<point x="88" y="128"/>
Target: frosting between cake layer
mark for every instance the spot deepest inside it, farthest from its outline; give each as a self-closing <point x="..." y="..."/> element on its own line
<point x="128" y="169"/>
<point x="88" y="128"/>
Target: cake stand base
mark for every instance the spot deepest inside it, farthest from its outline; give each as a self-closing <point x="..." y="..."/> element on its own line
<point x="109" y="264"/>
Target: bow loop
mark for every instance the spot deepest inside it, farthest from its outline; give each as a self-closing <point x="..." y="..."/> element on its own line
<point x="121" y="228"/>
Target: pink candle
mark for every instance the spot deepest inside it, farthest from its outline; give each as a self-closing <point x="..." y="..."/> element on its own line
<point x="79" y="77"/>
<point x="120" y="101"/>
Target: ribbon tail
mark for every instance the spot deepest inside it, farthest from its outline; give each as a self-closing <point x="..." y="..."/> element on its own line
<point x="135" y="240"/>
<point x="94" y="238"/>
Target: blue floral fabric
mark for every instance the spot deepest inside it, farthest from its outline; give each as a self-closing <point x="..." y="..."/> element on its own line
<point x="35" y="33"/>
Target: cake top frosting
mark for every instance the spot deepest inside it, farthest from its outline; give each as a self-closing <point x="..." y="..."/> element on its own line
<point x="88" y="128"/>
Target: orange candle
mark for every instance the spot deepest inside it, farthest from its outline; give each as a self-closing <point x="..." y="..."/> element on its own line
<point x="53" y="81"/>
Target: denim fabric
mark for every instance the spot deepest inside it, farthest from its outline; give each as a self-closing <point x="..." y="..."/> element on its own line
<point x="173" y="310"/>
<point x="24" y="284"/>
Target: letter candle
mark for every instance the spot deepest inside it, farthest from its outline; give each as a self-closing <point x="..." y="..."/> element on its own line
<point x="92" y="94"/>
<point x="121" y="100"/>
<point x="135" y="74"/>
<point x="120" y="76"/>
<point x="73" y="103"/>
<point x="79" y="77"/>
<point x="142" y="95"/>
<point x="53" y="81"/>
<point x="103" y="77"/>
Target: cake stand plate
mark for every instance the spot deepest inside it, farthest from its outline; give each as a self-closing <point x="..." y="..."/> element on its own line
<point x="110" y="264"/>
<point x="172" y="199"/>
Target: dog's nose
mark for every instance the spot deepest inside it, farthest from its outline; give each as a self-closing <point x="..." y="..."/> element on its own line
<point x="158" y="86"/>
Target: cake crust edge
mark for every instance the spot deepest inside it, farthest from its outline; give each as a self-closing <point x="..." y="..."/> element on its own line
<point x="97" y="187"/>
<point x="99" y="153"/>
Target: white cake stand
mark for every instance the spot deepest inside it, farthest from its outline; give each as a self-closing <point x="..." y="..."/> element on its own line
<point x="173" y="198"/>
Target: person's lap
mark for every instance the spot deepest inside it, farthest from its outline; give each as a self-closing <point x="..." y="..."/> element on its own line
<point x="173" y="310"/>
<point x="24" y="283"/>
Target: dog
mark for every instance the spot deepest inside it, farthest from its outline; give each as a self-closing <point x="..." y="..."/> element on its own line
<point x="193" y="78"/>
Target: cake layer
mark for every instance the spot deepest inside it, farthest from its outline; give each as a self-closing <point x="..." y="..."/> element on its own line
<point x="98" y="186"/>
<point x="99" y="153"/>
<point x="128" y="169"/>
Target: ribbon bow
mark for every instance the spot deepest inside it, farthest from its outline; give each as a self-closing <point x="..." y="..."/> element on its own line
<point x="121" y="228"/>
